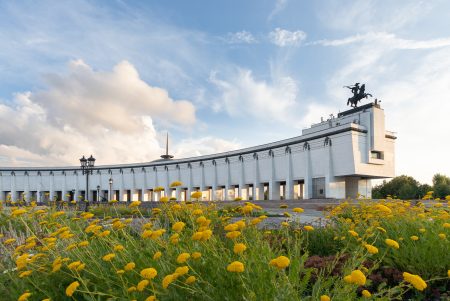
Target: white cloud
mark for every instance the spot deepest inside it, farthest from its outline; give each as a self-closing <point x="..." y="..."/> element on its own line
<point x="279" y="6"/>
<point x="108" y="114"/>
<point x="241" y="37"/>
<point x="283" y="37"/>
<point x="242" y="95"/>
<point x="204" y="146"/>
<point x="387" y="40"/>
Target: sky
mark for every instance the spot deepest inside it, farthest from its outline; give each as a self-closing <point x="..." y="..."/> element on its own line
<point x="110" y="78"/>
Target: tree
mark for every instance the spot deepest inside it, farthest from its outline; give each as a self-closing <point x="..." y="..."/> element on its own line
<point x="403" y="186"/>
<point x="441" y="185"/>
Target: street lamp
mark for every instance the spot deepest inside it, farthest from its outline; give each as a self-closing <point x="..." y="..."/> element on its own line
<point x="110" y="188"/>
<point x="86" y="167"/>
<point x="98" y="194"/>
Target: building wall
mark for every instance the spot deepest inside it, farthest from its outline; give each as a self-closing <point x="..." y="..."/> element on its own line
<point x="340" y="150"/>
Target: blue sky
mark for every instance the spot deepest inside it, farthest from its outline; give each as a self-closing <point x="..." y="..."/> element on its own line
<point x="111" y="77"/>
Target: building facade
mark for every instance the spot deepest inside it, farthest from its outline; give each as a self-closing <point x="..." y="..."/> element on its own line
<point x="336" y="158"/>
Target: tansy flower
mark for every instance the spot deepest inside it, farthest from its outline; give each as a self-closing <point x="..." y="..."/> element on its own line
<point x="308" y="228"/>
<point x="298" y="210"/>
<point x="175" y="238"/>
<point x="151" y="298"/>
<point x="74" y="265"/>
<point x="196" y="255"/>
<point x="231" y="227"/>
<point x="24" y="296"/>
<point x="182" y="270"/>
<point x="235" y="267"/>
<point x="108" y="257"/>
<point x="415" y="280"/>
<point x="142" y="285"/>
<point x="196" y="194"/>
<point x="446" y="225"/>
<point x="83" y="243"/>
<point x="9" y="241"/>
<point x="168" y="280"/>
<point x="366" y="294"/>
<point x="441" y="235"/>
<point x="233" y="234"/>
<point x="120" y="272"/>
<point x="72" y="288"/>
<point x="157" y="255"/>
<point x="119" y="248"/>
<point x="325" y="298"/>
<point x="18" y="212"/>
<point x="197" y="212"/>
<point x="147" y="234"/>
<point x="129" y="266"/>
<point x="131" y="289"/>
<point x="280" y="262"/>
<point x="356" y="277"/>
<point x="149" y="273"/>
<point x="414" y="237"/>
<point x="392" y="243"/>
<point x="239" y="248"/>
<point x="353" y="233"/>
<point x="135" y="204"/>
<point x="371" y="249"/>
<point x="183" y="257"/>
<point x="25" y="274"/>
<point x="190" y="279"/>
<point x="178" y="226"/>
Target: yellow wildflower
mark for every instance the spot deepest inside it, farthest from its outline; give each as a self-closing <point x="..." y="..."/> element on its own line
<point x="414" y="237"/>
<point x="151" y="298"/>
<point x="183" y="257"/>
<point x="147" y="234"/>
<point x="25" y="274"/>
<point x="441" y="235"/>
<point x="190" y="279"/>
<point x="72" y="288"/>
<point x="135" y="204"/>
<point x="235" y="267"/>
<point x="239" y="248"/>
<point x="233" y="234"/>
<point x="178" y="226"/>
<point x="392" y="243"/>
<point x="18" y="212"/>
<point x="120" y="272"/>
<point x="129" y="266"/>
<point x="157" y="255"/>
<point x="9" y="241"/>
<point x="24" y="296"/>
<point x="366" y="294"/>
<point x="119" y="248"/>
<point x="108" y="257"/>
<point x="182" y="270"/>
<point x="280" y="262"/>
<point x="353" y="233"/>
<point x="356" y="277"/>
<point x="196" y="194"/>
<point x="308" y="228"/>
<point x="371" y="249"/>
<point x="73" y="265"/>
<point x="168" y="280"/>
<point x="415" y="280"/>
<point x="298" y="210"/>
<point x="131" y="289"/>
<point x="231" y="227"/>
<point x="196" y="255"/>
<point x="142" y="285"/>
<point x="149" y="273"/>
<point x="325" y="298"/>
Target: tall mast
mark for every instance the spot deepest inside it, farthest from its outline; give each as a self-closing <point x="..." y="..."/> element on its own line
<point x="166" y="156"/>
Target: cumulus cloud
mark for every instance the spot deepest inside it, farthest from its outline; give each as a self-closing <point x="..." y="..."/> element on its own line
<point x="279" y="6"/>
<point x="108" y="114"/>
<point x="283" y="37"/>
<point x="240" y="37"/>
<point x="204" y="146"/>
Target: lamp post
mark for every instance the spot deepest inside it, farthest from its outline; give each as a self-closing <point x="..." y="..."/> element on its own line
<point x="110" y="188"/>
<point x="73" y="195"/>
<point x="86" y="167"/>
<point x="98" y="194"/>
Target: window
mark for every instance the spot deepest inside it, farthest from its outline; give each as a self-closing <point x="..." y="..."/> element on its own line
<point x="376" y="155"/>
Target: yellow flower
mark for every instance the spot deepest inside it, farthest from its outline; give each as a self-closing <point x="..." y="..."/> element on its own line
<point x="233" y="234"/>
<point x="196" y="255"/>
<point x="24" y="296"/>
<point x="298" y="210"/>
<point x="164" y="199"/>
<point x="196" y="194"/>
<point x="325" y="298"/>
<point x="25" y="274"/>
<point x="18" y="212"/>
<point x="129" y="266"/>
<point x="414" y="237"/>
<point x="21" y="261"/>
<point x="190" y="279"/>
<point x="168" y="280"/>
<point x="135" y="204"/>
<point x="446" y="225"/>
<point x="239" y="248"/>
<point x="415" y="280"/>
<point x="178" y="226"/>
<point x="285" y="224"/>
<point x="147" y="234"/>
<point x="197" y="212"/>
<point x="201" y="220"/>
<point x="84" y="243"/>
<point x="142" y="285"/>
<point x="151" y="298"/>
<point x="108" y="257"/>
<point x="371" y="249"/>
<point x="247" y="209"/>
<point x="366" y="294"/>
<point x="175" y="238"/>
<point x="392" y="243"/>
<point x="280" y="262"/>
<point x="120" y="272"/>
<point x="104" y="233"/>
<point x="72" y="288"/>
<point x="149" y="273"/>
<point x="182" y="270"/>
<point x="448" y="273"/>
<point x="9" y="241"/>
<point x="353" y="233"/>
<point x="131" y="289"/>
<point x="119" y="248"/>
<point x="356" y="277"/>
<point x="235" y="267"/>
<point x="183" y="257"/>
<point x="74" y="265"/>
<point x="422" y="230"/>
<point x="308" y="228"/>
<point x="441" y="235"/>
<point x="157" y="255"/>
<point x="231" y="227"/>
<point x="176" y="184"/>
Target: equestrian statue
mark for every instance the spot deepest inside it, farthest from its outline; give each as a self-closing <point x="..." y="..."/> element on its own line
<point x="359" y="92"/>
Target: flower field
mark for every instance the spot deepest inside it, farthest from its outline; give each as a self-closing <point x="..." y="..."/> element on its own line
<point x="387" y="250"/>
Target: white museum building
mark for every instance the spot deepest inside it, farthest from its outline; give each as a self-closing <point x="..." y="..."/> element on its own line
<point x="336" y="158"/>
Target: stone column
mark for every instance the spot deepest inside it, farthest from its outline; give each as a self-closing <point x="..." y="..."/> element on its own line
<point x="274" y="187"/>
<point x="121" y="186"/>
<point x="307" y="162"/>
<point x="289" y="188"/>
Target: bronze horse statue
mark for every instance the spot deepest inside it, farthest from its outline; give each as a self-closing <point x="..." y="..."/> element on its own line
<point x="358" y="94"/>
